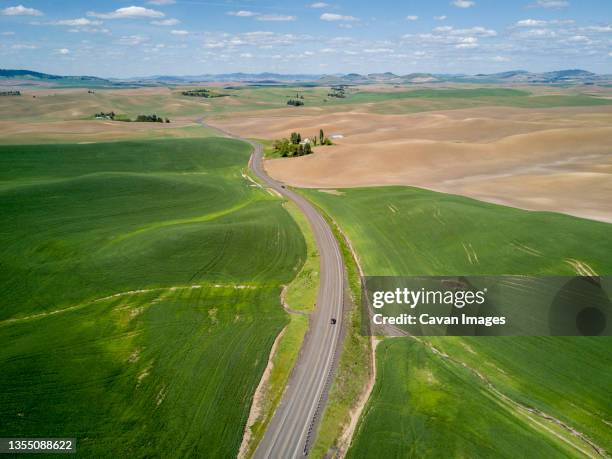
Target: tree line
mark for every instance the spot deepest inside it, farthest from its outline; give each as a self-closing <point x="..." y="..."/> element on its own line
<point x="10" y="93"/>
<point x="150" y="119"/>
<point x="338" y="92"/>
<point x="139" y="119"/>
<point x="201" y="92"/>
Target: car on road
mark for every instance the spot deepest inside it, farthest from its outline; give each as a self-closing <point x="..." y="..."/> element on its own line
<point x="333" y="321"/>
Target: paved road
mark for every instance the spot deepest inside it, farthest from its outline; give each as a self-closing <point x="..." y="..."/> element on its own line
<point x="292" y="429"/>
<point x="293" y="426"/>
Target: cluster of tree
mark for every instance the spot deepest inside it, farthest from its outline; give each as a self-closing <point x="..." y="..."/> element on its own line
<point x="296" y="100"/>
<point x="338" y="91"/>
<point x="105" y="115"/>
<point x="288" y="147"/>
<point x="89" y="91"/>
<point x="10" y="93"/>
<point x="151" y="119"/>
<point x="295" y="146"/>
<point x="201" y="92"/>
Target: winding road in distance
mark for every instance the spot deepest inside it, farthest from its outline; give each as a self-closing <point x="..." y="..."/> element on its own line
<point x="293" y="427"/>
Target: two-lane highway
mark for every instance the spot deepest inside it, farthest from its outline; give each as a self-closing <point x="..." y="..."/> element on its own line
<point x="292" y="429"/>
<point x="293" y="426"/>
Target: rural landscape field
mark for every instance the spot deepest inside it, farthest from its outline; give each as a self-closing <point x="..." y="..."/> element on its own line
<point x="194" y="194"/>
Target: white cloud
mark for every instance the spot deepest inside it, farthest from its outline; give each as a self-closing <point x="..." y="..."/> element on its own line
<point x="246" y="55"/>
<point x="267" y="38"/>
<point x="319" y="5"/>
<point x="501" y="59"/>
<point x="129" y="12"/>
<point x="579" y="39"/>
<point x="463" y="3"/>
<point x="539" y="33"/>
<point x="467" y="42"/>
<point x="599" y="29"/>
<point x="166" y="22"/>
<point x="377" y="50"/>
<point x="179" y="32"/>
<point x="531" y="23"/>
<point x="24" y="46"/>
<point x="79" y="22"/>
<point x="243" y="13"/>
<point x="21" y="10"/>
<point x="550" y="4"/>
<point x="161" y="2"/>
<point x="610" y="54"/>
<point x="79" y="25"/>
<point x="7" y="34"/>
<point x="473" y="31"/>
<point x="63" y="51"/>
<point x="344" y="40"/>
<point x="262" y="17"/>
<point x="412" y="18"/>
<point x="132" y="40"/>
<point x="479" y="31"/>
<point x="90" y="30"/>
<point x="276" y="18"/>
<point x="259" y="39"/>
<point x="440" y="18"/>
<point x="332" y="17"/>
<point x="211" y="44"/>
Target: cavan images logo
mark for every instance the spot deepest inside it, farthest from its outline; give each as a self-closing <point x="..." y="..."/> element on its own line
<point x="487" y="306"/>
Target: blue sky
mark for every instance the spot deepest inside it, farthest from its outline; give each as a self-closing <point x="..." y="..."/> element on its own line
<point x="124" y="38"/>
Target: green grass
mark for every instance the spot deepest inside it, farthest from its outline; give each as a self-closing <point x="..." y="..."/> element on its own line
<point x="301" y="294"/>
<point x="408" y="231"/>
<point x="152" y="131"/>
<point x="379" y="96"/>
<point x="424" y="406"/>
<point x="170" y="368"/>
<point x="282" y="363"/>
<point x="578" y="366"/>
<point x="354" y="366"/>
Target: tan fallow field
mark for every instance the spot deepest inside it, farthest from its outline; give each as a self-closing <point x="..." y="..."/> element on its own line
<point x="556" y="159"/>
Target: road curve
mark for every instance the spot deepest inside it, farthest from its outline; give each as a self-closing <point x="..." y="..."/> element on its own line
<point x="293" y="427"/>
<point x="294" y="424"/>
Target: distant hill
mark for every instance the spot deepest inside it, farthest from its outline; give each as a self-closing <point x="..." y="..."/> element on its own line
<point x="559" y="77"/>
<point x="258" y="78"/>
<point x="385" y="77"/>
<point x="419" y="78"/>
<point x="30" y="76"/>
<point x="571" y="76"/>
